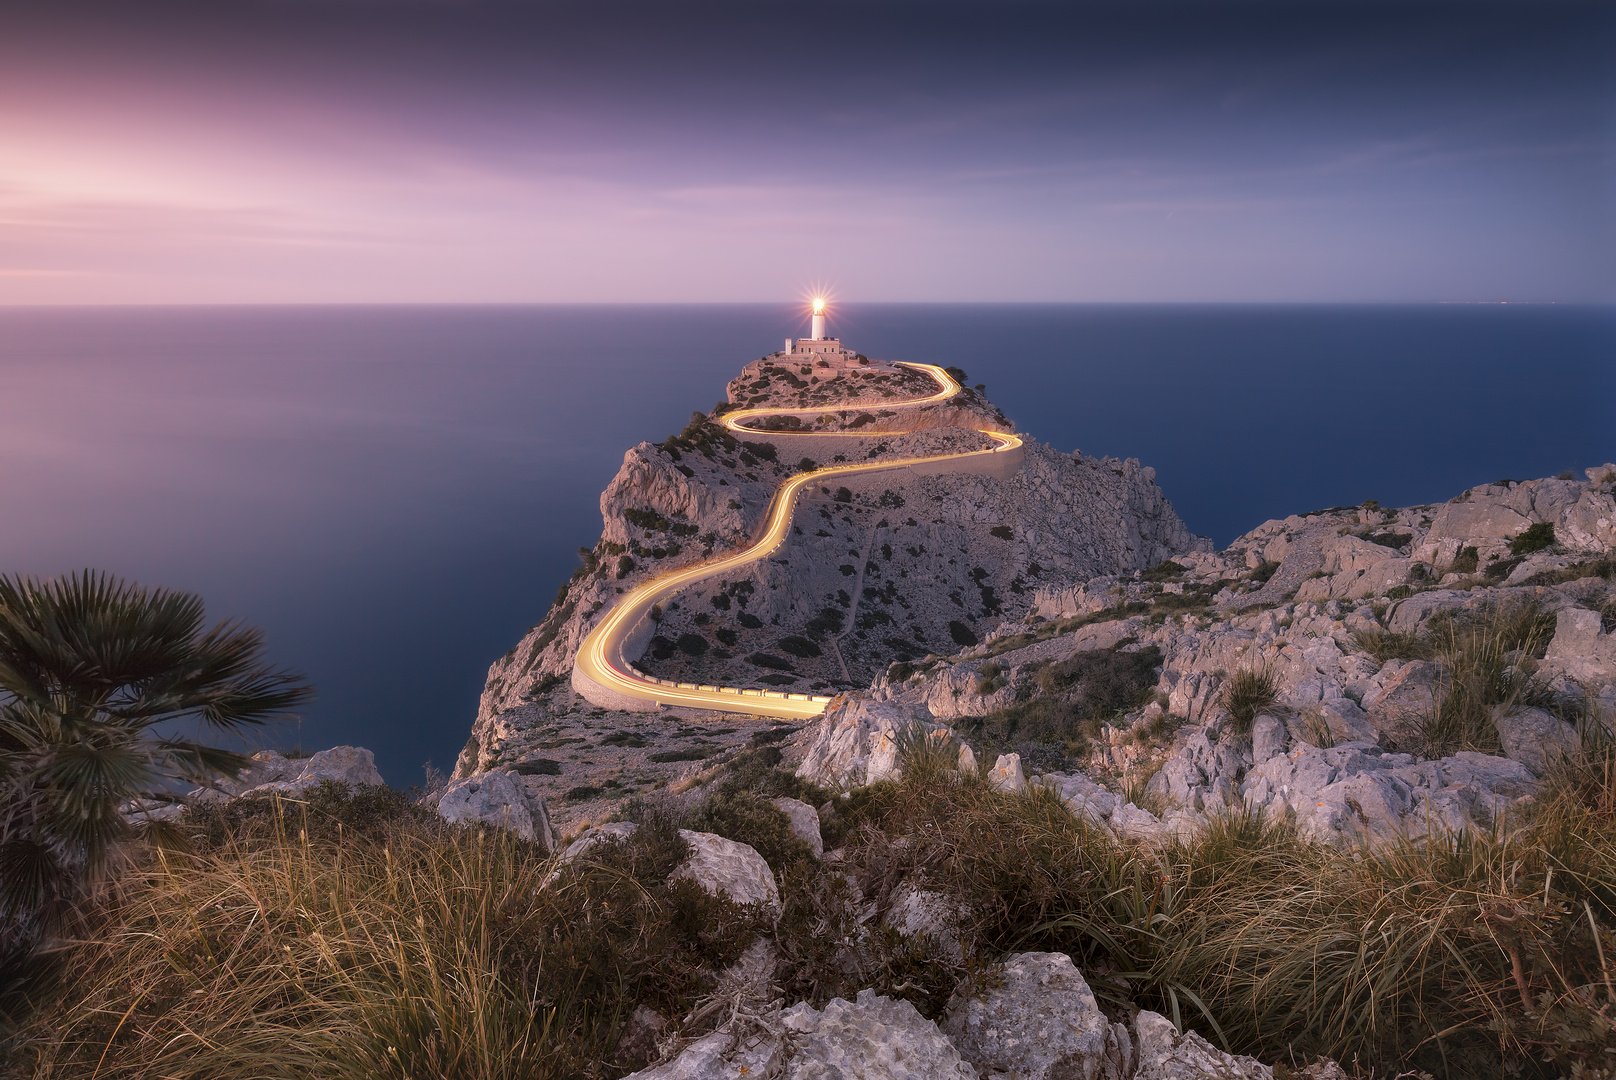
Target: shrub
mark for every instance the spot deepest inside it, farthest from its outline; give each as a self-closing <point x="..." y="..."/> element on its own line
<point x="645" y="519"/>
<point x="695" y="753"/>
<point x="692" y="644"/>
<point x="625" y="567"/>
<point x="1164" y="571"/>
<point x="1103" y="682"/>
<point x="434" y="952"/>
<point x="807" y="464"/>
<point x="1247" y="692"/>
<point x="748" y="818"/>
<point x="1387" y="538"/>
<point x="765" y="660"/>
<point x="1003" y="532"/>
<point x="798" y="646"/>
<point x="1482" y="655"/>
<point x="1263" y="571"/>
<point x="1465" y="562"/>
<point x="962" y="634"/>
<point x="1384" y="645"/>
<point x="1538" y="535"/>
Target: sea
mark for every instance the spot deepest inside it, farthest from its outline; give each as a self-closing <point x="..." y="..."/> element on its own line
<point x="395" y="493"/>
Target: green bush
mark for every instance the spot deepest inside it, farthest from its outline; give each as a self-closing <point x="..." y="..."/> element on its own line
<point x="748" y="818"/>
<point x="1165" y="571"/>
<point x="1103" y="682"/>
<point x="1538" y="535"/>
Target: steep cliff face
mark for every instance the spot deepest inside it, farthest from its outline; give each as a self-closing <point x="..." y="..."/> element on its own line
<point x="894" y="566"/>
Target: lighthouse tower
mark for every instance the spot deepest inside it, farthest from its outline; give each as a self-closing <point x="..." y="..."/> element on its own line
<point x="820" y="349"/>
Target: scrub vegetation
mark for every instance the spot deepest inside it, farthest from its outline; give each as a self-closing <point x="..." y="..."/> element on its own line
<point x="350" y="935"/>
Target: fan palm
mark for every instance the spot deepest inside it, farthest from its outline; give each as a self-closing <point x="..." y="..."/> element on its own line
<point x="94" y="674"/>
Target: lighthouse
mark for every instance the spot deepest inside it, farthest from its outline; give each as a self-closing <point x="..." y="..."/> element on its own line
<point x="820" y="349"/>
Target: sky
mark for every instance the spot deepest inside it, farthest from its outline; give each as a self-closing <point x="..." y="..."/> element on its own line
<point x="654" y="152"/>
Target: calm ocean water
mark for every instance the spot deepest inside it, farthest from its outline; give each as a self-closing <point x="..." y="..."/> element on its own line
<point x="394" y="494"/>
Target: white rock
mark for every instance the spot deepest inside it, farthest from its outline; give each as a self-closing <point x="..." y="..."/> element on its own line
<point x="1581" y="651"/>
<point x="719" y="1056"/>
<point x="856" y="742"/>
<point x="598" y="834"/>
<point x="729" y="868"/>
<point x="1006" y="774"/>
<point x="874" y="1038"/>
<point x="967" y="760"/>
<point x="1164" y="1054"/>
<point x="1536" y="738"/>
<point x="1268" y="738"/>
<point x="498" y="798"/>
<point x="351" y="765"/>
<point x="915" y="911"/>
<point x="1041" y="1023"/>
<point x="804" y="823"/>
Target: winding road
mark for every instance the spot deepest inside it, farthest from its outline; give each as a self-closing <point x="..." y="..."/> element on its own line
<point x="600" y="658"/>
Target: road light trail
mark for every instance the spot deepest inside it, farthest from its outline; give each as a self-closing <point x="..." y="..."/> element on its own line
<point x="600" y="657"/>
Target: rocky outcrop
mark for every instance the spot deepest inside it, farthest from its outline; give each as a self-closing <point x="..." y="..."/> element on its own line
<point x="857" y="740"/>
<point x="272" y="774"/>
<point x="498" y="798"/>
<point x="1309" y="603"/>
<point x="730" y="869"/>
<point x="722" y="867"/>
<point x="872" y="1038"/>
<point x="804" y="823"/>
<point x="1165" y="1053"/>
<point x="1038" y="1021"/>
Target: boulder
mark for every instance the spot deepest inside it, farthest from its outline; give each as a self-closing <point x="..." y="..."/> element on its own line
<point x="856" y="741"/>
<point x="1581" y="651"/>
<point x="1040" y="1022"/>
<point x="1165" y="1054"/>
<point x="1006" y="774"/>
<point x="498" y="798"/>
<point x="1590" y="524"/>
<point x="1342" y="793"/>
<point x="1402" y="699"/>
<point x="1536" y="738"/>
<point x="598" y="834"/>
<point x="728" y="868"/>
<point x="874" y="1038"/>
<point x="351" y="765"/>
<point x="915" y="911"/>
<point x="804" y="823"/>
<point x="1269" y="738"/>
<point x="720" y="1056"/>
